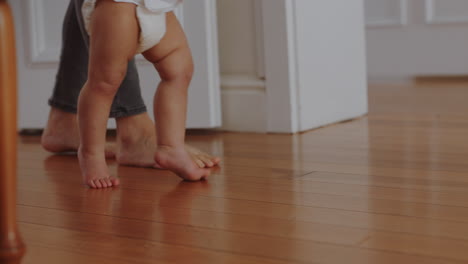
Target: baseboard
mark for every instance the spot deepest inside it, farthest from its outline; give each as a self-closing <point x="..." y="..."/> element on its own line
<point x="243" y="100"/>
<point x="441" y="79"/>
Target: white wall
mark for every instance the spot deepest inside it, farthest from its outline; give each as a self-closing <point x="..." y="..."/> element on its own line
<point x="417" y="37"/>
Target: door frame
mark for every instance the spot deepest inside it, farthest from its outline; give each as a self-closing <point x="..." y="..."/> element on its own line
<point x="280" y="66"/>
<point x="266" y="101"/>
<point x="205" y="40"/>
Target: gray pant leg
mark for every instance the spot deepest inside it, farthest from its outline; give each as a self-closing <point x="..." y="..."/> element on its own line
<point x="73" y="71"/>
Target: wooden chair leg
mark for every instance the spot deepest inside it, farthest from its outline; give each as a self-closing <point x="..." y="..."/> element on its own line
<point x="11" y="246"/>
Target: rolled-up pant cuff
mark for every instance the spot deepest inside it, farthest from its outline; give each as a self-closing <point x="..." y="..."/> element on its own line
<point x="120" y="113"/>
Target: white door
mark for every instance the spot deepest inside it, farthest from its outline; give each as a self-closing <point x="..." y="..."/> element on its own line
<point x="38" y="30"/>
<point x="417" y="37"/>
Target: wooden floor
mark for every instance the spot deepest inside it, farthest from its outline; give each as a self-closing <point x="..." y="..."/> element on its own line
<point x="388" y="188"/>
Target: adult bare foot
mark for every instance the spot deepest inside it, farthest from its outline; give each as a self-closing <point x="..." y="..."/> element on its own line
<point x="61" y="134"/>
<point x="136" y="144"/>
<point x="179" y="161"/>
<point x="136" y="141"/>
<point x="94" y="170"/>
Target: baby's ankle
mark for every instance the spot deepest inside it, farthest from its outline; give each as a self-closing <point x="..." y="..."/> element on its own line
<point x="87" y="151"/>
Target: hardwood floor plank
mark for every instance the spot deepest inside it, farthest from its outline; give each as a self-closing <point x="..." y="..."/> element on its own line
<point x="359" y="204"/>
<point x="387" y="188"/>
<point x="181" y="200"/>
<point x="83" y="236"/>
<point x="127" y="249"/>
<point x="42" y="254"/>
<point x="329" y="233"/>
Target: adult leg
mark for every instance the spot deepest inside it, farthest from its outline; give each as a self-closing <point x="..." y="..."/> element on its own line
<point x="61" y="133"/>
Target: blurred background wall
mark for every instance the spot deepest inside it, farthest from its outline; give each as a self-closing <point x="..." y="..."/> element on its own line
<point x="408" y="38"/>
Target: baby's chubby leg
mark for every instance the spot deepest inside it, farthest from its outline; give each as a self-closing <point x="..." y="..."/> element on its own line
<point x="173" y="60"/>
<point x="113" y="41"/>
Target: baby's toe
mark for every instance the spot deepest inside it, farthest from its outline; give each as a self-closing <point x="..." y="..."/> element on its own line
<point x="207" y="161"/>
<point x="103" y="183"/>
<point x="108" y="182"/>
<point x="91" y="184"/>
<point x="97" y="183"/>
<point x="114" y="181"/>
<point x="200" y="162"/>
<point x="216" y="160"/>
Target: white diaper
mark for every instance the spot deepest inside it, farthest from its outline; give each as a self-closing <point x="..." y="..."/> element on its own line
<point x="151" y="16"/>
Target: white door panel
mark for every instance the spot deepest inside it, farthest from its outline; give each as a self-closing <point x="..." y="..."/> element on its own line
<point x="39" y="28"/>
<point x="446" y="11"/>
<point x="416" y="37"/>
<point x="385" y="12"/>
<point x="44" y="44"/>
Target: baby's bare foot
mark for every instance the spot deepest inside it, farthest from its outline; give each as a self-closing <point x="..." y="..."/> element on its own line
<point x="203" y="160"/>
<point x="179" y="161"/>
<point x="94" y="171"/>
